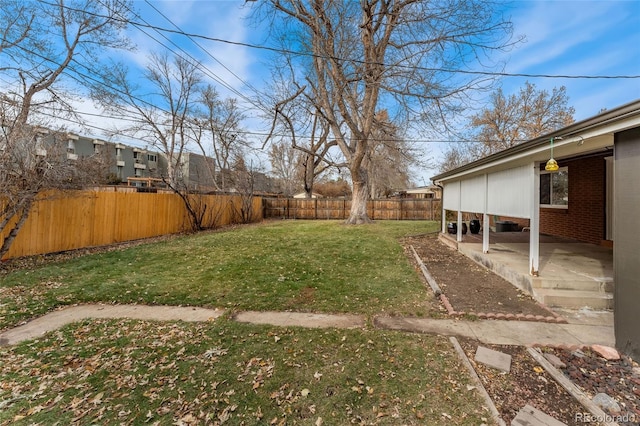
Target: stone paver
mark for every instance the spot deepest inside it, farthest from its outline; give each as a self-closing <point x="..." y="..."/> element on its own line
<point x="495" y="359"/>
<point x="530" y="416"/>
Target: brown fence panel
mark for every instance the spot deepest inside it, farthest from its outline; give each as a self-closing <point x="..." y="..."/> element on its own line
<point x="76" y="219"/>
<point x="330" y="208"/>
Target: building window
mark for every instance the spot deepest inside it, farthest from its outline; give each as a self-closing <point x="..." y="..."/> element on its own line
<point x="554" y="189"/>
<point x="152" y="158"/>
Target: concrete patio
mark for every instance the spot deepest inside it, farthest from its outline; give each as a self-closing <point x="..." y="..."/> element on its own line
<point x="571" y="275"/>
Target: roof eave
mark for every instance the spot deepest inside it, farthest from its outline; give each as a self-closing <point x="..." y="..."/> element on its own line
<point x="626" y="110"/>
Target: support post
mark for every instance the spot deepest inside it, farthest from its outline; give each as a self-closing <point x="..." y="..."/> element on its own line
<point x="534" y="232"/>
<point x="486" y="226"/>
<point x="459" y="236"/>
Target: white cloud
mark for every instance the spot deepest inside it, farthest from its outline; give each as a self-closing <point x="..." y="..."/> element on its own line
<point x="579" y="38"/>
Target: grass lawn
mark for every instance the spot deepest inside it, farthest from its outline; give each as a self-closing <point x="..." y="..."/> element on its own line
<point x="315" y="266"/>
<point x="138" y="372"/>
<point x="143" y="372"/>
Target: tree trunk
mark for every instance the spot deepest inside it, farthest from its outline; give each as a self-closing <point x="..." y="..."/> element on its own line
<point x="358" y="214"/>
<point x="23" y="213"/>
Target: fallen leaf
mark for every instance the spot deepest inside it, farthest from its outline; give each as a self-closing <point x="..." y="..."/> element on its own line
<point x="305" y="392"/>
<point x="538" y="369"/>
<point x="319" y="422"/>
<point x="317" y="375"/>
<point x="35" y="410"/>
<point x="97" y="399"/>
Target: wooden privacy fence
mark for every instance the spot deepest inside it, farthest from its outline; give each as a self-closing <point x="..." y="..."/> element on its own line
<point x="78" y="219"/>
<point x="332" y="208"/>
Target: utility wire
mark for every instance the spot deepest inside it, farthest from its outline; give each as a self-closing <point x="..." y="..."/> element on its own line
<point x="249" y="85"/>
<point x="193" y="61"/>
<point x="361" y="62"/>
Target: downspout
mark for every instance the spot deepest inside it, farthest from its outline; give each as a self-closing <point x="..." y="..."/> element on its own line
<point x="442" y="218"/>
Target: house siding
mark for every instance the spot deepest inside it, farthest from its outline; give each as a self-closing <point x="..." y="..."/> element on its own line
<point x="584" y="219"/>
<point x="625" y="250"/>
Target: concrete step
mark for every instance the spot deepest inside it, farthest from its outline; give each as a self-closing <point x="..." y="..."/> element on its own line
<point x="574" y="298"/>
<point x="604" y="285"/>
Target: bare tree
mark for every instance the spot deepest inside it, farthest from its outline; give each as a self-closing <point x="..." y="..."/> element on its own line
<point x="286" y="162"/>
<point x="48" y="54"/>
<point x="218" y="133"/>
<point x="163" y="115"/>
<point x="509" y="121"/>
<point x="390" y="158"/>
<point x="530" y="113"/>
<point x="244" y="180"/>
<point x="360" y="55"/>
<point x="34" y="162"/>
<point x="296" y="115"/>
<point x="58" y="44"/>
<point x="17" y="26"/>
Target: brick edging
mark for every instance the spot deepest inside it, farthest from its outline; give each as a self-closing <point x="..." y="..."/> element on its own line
<point x="555" y="319"/>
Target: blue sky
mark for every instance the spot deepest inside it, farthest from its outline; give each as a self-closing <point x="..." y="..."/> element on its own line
<point x="561" y="38"/>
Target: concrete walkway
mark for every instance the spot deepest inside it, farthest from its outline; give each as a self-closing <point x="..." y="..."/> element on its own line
<point x="487" y="331"/>
<point x="497" y="332"/>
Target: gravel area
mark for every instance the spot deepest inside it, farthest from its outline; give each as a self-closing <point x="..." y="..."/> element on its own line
<point x="619" y="379"/>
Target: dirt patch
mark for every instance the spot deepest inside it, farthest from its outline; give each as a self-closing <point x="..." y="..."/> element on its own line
<point x="304" y="297"/>
<point x="469" y="286"/>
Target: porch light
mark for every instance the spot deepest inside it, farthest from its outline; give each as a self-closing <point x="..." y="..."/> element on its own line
<point x="552" y="165"/>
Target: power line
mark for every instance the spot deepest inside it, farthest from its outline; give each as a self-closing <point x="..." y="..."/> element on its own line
<point x="193" y="61"/>
<point x="361" y="62"/>
<point x="249" y="85"/>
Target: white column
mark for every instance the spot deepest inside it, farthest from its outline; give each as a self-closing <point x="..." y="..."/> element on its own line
<point x="534" y="234"/>
<point x="486" y="228"/>
<point x="459" y="235"/>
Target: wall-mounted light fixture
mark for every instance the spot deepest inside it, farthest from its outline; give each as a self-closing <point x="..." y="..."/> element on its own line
<point x="552" y="165"/>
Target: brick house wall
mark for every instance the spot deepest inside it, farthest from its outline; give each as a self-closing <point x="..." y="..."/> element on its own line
<point x="584" y="219"/>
